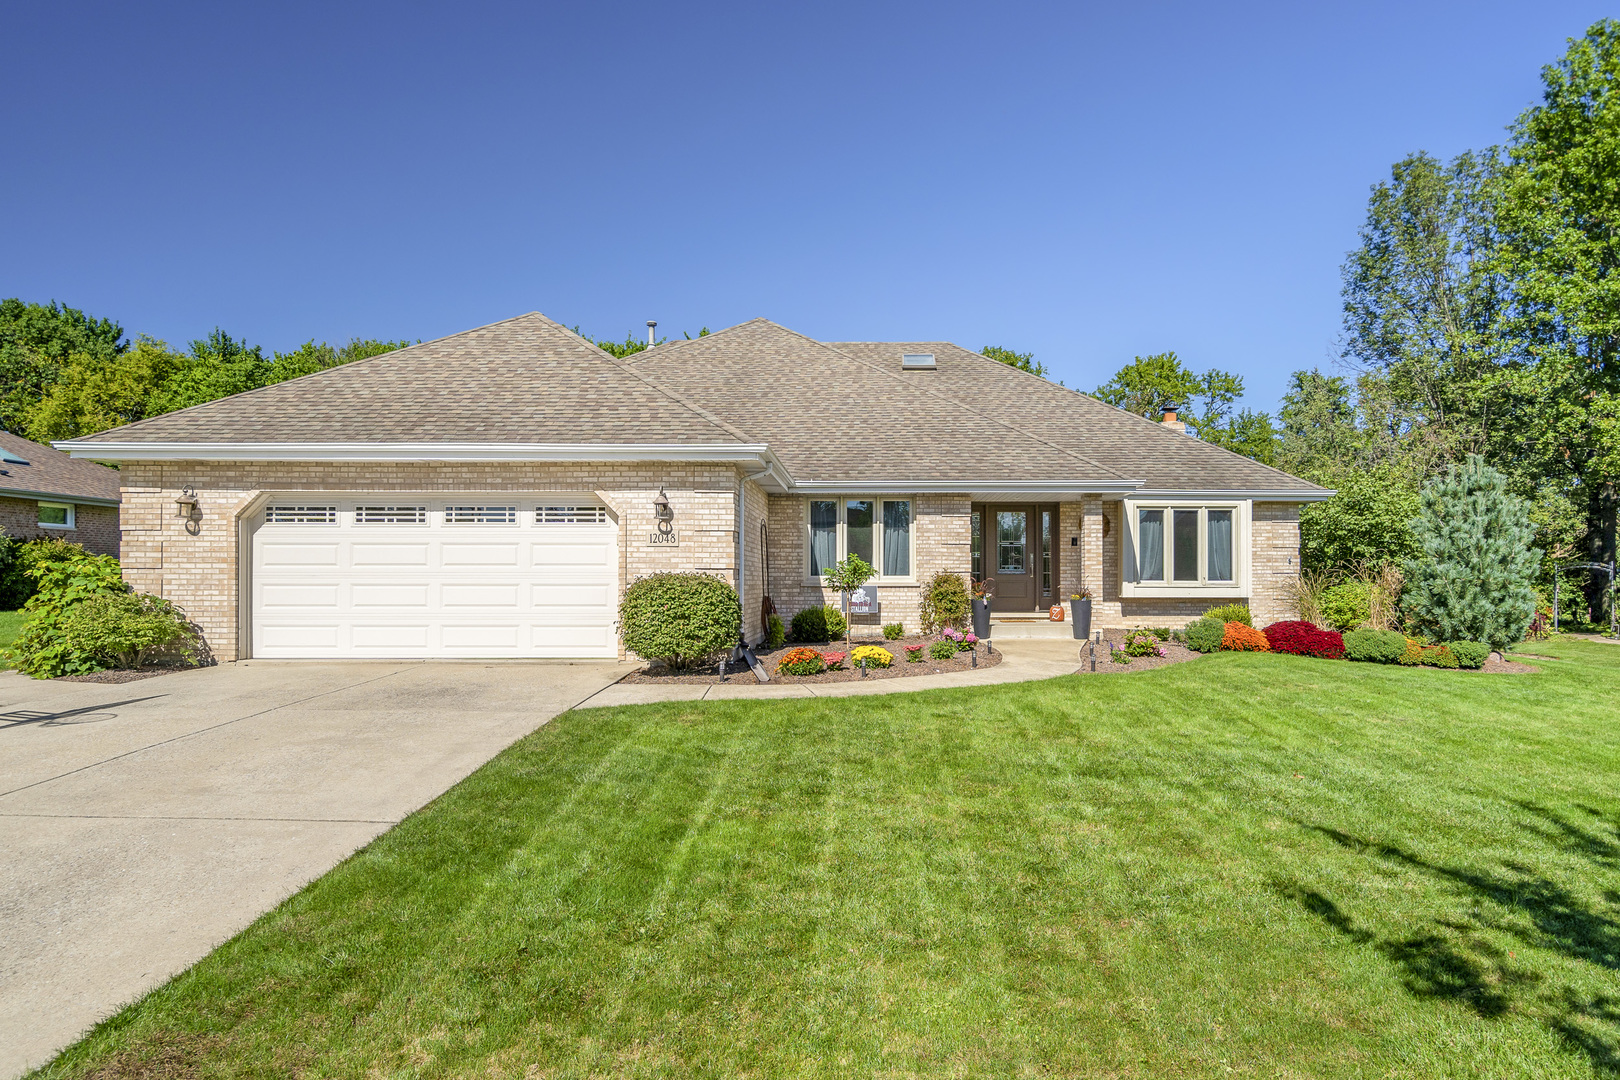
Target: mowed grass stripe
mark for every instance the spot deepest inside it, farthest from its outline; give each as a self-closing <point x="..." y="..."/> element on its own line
<point x="1245" y="865"/>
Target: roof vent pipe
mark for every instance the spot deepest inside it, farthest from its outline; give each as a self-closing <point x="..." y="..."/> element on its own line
<point x="652" y="324"/>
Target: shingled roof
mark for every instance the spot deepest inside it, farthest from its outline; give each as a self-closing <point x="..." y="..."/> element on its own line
<point x="32" y="470"/>
<point x="523" y="380"/>
<point x="1165" y="459"/>
<point x="840" y="413"/>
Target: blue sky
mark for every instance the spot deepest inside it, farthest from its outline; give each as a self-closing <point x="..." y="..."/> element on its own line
<point x="1087" y="181"/>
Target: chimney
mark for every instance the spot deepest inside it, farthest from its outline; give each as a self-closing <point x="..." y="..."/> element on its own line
<point x="652" y="324"/>
<point x="1170" y="420"/>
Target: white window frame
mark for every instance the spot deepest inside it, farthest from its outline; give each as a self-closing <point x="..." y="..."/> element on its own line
<point x="60" y="506"/>
<point x="843" y="502"/>
<point x="1242" y="522"/>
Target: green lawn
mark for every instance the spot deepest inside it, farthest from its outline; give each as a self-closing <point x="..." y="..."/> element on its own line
<point x="1247" y="865"/>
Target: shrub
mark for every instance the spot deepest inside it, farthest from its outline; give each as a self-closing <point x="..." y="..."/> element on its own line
<point x="1439" y="656"/>
<point x="22" y="562"/>
<point x="894" y="631"/>
<point x="801" y="662"/>
<point x="914" y="654"/>
<point x="1205" y="635"/>
<point x="819" y="624"/>
<point x="682" y="619"/>
<point x="130" y="630"/>
<point x="833" y="660"/>
<point x="775" y="632"/>
<point x="1470" y="654"/>
<point x="60" y="585"/>
<point x="942" y="649"/>
<point x="874" y="655"/>
<point x="1411" y="654"/>
<point x="1347" y="605"/>
<point x="1368" y="521"/>
<point x="1374" y="646"/>
<point x="944" y="603"/>
<point x="1304" y="593"/>
<point x="1471" y="579"/>
<point x="1301" y="638"/>
<point x="1142" y="642"/>
<point x="1240" y="637"/>
<point x="1237" y="612"/>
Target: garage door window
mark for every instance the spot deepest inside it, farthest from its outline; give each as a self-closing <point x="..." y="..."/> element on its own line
<point x="570" y="515"/>
<point x="301" y="515"/>
<point x="480" y="515"/>
<point x="390" y="515"/>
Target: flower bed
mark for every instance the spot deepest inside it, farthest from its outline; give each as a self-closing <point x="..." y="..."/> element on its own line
<point x="823" y="670"/>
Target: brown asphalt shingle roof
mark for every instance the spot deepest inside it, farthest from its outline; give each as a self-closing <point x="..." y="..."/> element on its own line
<point x="523" y="380"/>
<point x="1132" y="445"/>
<point x="832" y="413"/>
<point x="51" y="472"/>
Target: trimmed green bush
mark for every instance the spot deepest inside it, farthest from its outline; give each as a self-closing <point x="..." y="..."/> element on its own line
<point x="1470" y="654"/>
<point x="942" y="650"/>
<point x="131" y="630"/>
<point x="1205" y="635"/>
<point x="1236" y="612"/>
<point x="775" y="632"/>
<point x="60" y="584"/>
<point x="1439" y="656"/>
<point x="1374" y="646"/>
<point x="819" y="624"/>
<point x="1347" y="605"/>
<point x="944" y="603"/>
<point x="894" y="631"/>
<point x="682" y="619"/>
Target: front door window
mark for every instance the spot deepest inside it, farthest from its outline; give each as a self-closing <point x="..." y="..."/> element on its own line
<point x="1012" y="535"/>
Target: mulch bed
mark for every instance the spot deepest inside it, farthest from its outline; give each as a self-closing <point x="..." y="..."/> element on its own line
<point x="123" y="675"/>
<point x="988" y="657"/>
<point x="1174" y="654"/>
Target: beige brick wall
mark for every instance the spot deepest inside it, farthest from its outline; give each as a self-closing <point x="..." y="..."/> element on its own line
<point x="200" y="573"/>
<point x="1276" y="561"/>
<point x="95" y="527"/>
<point x="756" y="513"/>
<point x="942" y="525"/>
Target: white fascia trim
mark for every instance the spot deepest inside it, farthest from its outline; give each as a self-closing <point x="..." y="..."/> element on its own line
<point x="924" y="487"/>
<point x="757" y="454"/>
<point x="58" y="497"/>
<point x="1229" y="494"/>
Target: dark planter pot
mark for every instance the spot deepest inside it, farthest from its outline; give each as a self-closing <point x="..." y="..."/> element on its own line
<point x="981" y="619"/>
<point x="1080" y="616"/>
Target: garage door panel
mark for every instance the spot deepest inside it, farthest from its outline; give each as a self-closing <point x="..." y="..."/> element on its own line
<point x="420" y="587"/>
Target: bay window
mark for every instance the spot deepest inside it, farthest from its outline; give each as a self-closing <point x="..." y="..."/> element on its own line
<point x="877" y="530"/>
<point x="1175" y="549"/>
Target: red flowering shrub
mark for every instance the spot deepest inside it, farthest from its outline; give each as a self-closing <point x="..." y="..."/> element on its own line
<point x="1241" y="638"/>
<point x="801" y="662"/>
<point x="1305" y="639"/>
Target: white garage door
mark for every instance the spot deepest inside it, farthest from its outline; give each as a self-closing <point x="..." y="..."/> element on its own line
<point x="468" y="576"/>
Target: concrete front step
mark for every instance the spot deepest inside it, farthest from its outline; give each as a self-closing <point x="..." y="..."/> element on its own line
<point x="1028" y="628"/>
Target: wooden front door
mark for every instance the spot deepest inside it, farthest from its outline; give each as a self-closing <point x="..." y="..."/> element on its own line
<point x="1017" y="546"/>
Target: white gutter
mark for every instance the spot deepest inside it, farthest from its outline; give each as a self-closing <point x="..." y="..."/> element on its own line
<point x="424" y="451"/>
<point x="954" y="487"/>
<point x="1256" y="494"/>
<point x="57" y="496"/>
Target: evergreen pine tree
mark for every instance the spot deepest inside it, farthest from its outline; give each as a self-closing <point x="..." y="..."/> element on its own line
<point x="1471" y="578"/>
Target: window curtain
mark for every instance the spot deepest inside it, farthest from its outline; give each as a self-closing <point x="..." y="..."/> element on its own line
<point x="1220" y="545"/>
<point x="823" y="536"/>
<point x="897" y="539"/>
<point x="1150" y="545"/>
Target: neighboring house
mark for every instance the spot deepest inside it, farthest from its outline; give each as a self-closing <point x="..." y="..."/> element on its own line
<point x="492" y="493"/>
<point x="45" y="493"/>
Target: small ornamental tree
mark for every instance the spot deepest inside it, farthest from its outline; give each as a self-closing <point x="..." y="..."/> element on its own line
<point x="1471" y="580"/>
<point x="846" y="576"/>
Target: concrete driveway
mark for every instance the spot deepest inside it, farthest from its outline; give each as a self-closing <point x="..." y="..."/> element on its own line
<point x="145" y="823"/>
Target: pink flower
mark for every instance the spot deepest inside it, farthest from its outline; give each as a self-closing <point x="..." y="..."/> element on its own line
<point x="913" y="648"/>
<point x="833" y="657"/>
<point x="972" y="639"/>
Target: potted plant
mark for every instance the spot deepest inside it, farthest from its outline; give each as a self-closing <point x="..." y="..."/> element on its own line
<point x="984" y="591"/>
<point x="1080" y="603"/>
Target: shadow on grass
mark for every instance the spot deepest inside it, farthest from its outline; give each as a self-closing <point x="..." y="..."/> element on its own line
<point x="1461" y="957"/>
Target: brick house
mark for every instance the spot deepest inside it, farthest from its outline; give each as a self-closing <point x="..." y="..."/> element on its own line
<point x="493" y="492"/>
<point x="46" y="493"/>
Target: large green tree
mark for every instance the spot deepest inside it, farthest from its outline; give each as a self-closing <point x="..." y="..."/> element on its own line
<point x="1558" y="221"/>
<point x="39" y="341"/>
<point x="1023" y="361"/>
<point x="1149" y="385"/>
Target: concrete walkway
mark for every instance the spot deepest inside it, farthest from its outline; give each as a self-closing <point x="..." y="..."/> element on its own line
<point x="145" y="823"/>
<point x="1025" y="659"/>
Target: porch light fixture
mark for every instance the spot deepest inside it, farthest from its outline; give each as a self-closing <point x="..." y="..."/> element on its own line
<point x="186" y="508"/>
<point x="662" y="512"/>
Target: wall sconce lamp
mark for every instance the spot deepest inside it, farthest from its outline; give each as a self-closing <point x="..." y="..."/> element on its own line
<point x="186" y="507"/>
<point x="662" y="513"/>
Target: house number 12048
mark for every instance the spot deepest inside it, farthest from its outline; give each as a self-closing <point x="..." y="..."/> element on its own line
<point x="663" y="539"/>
